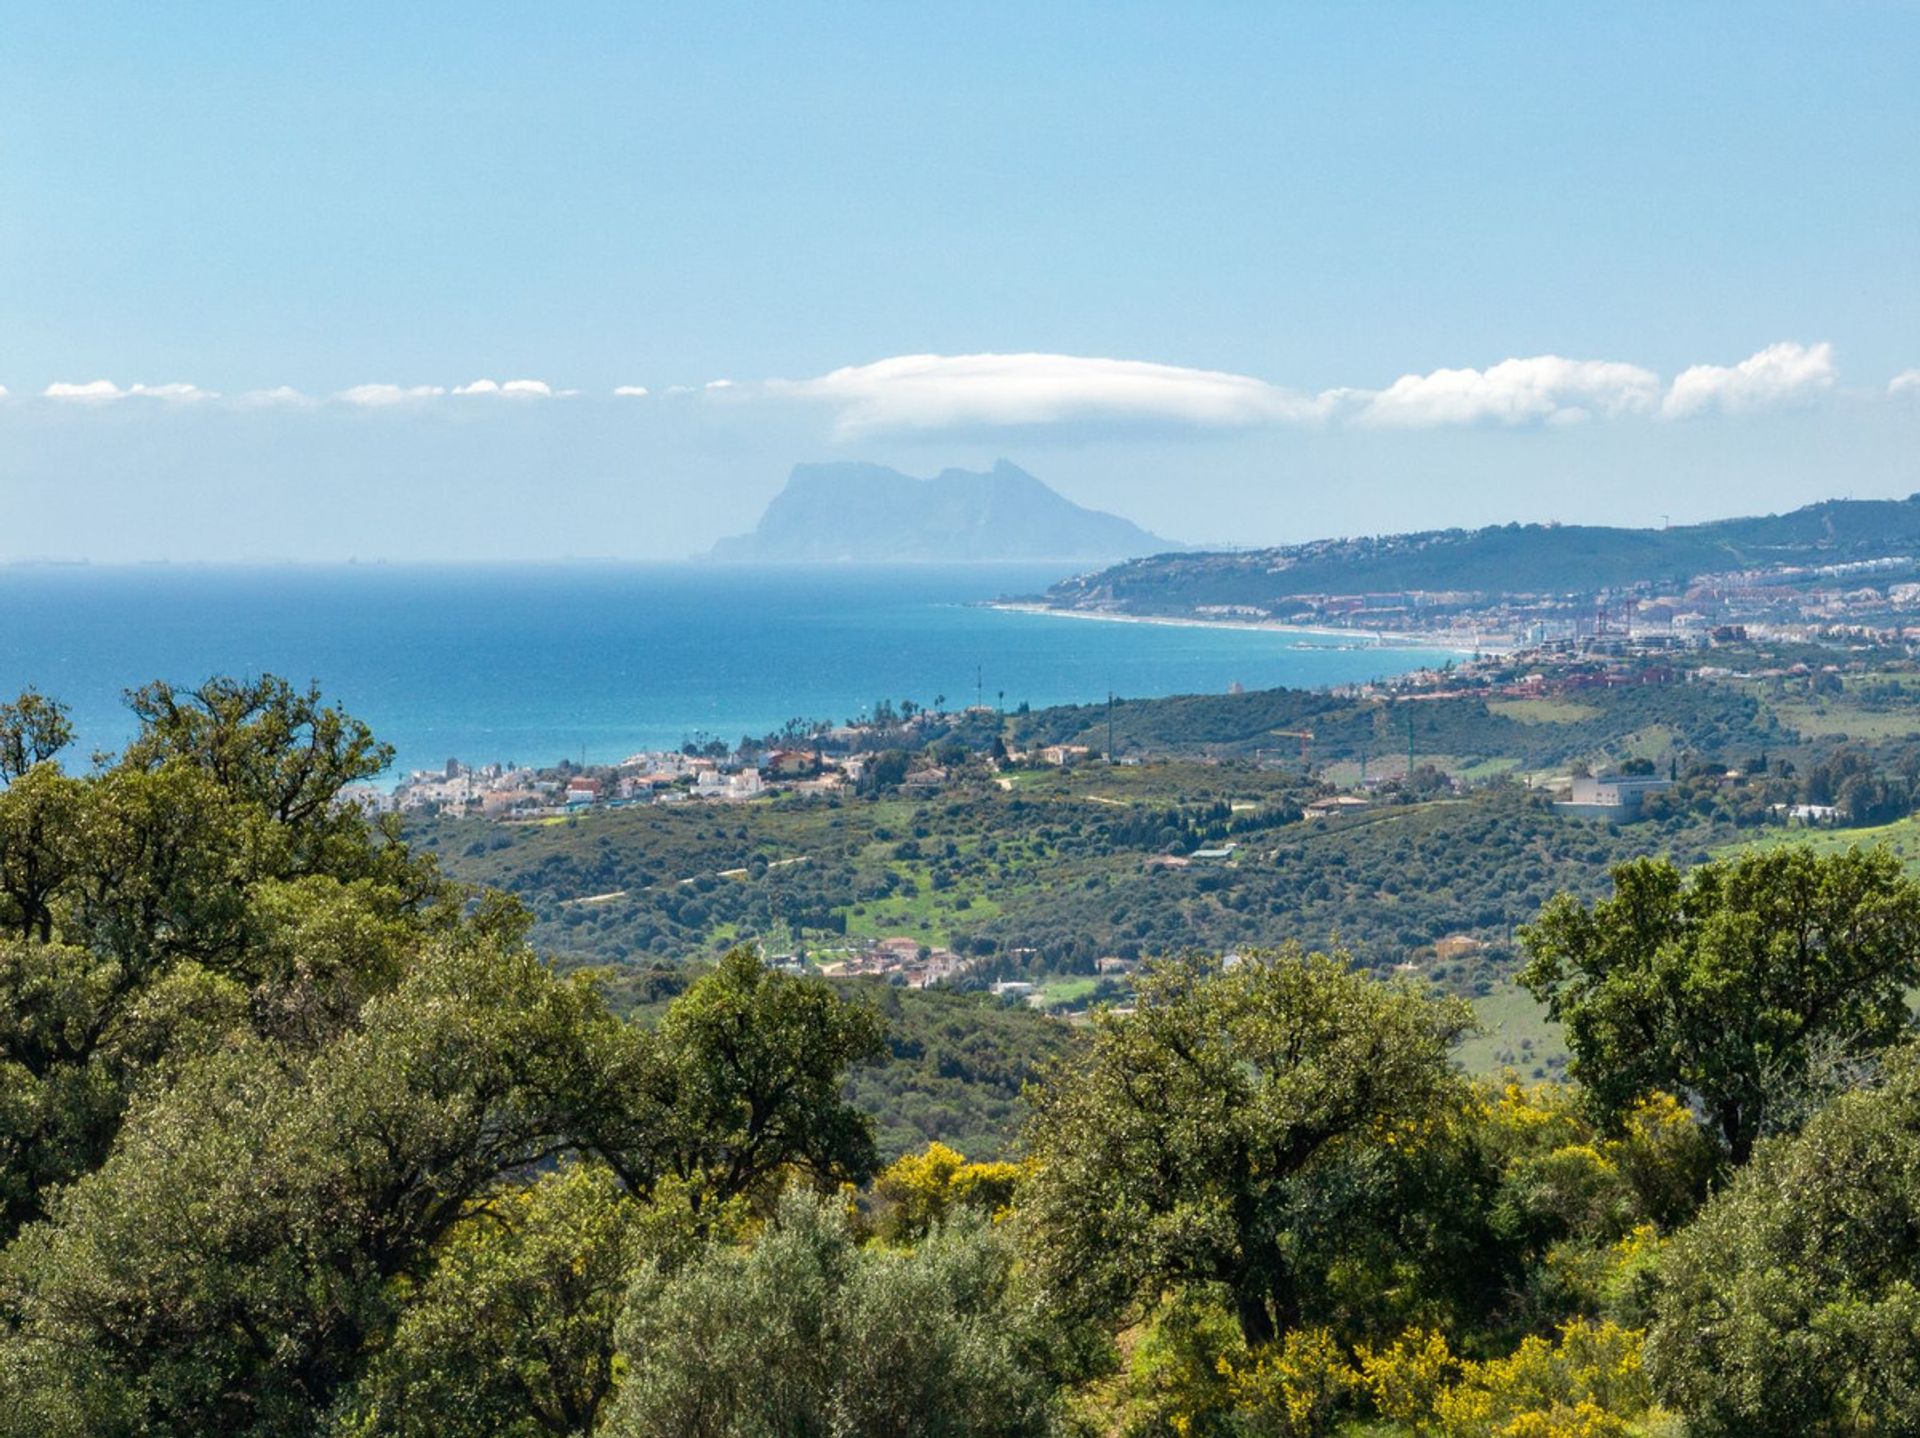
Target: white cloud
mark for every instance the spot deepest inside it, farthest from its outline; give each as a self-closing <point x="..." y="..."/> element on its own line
<point x="379" y="396"/>
<point x="284" y="394"/>
<point x="1782" y="373"/>
<point x="1515" y="391"/>
<point x="1906" y="382"/>
<point x="177" y="392"/>
<point x="719" y="384"/>
<point x="955" y="391"/>
<point x="631" y="391"/>
<point x="511" y="389"/>
<point x="101" y="390"/>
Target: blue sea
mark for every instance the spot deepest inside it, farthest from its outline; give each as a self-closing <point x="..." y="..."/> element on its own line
<point x="535" y="664"/>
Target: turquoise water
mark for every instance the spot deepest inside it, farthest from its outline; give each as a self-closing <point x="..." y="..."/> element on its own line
<point x="536" y="664"/>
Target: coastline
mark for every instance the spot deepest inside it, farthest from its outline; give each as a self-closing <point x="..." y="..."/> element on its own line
<point x="1365" y="638"/>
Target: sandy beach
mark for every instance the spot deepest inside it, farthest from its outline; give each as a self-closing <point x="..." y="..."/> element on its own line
<point x="1361" y="638"/>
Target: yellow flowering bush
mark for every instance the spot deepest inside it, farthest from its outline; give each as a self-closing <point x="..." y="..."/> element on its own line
<point x="1291" y="1389"/>
<point x="1589" y="1383"/>
<point x="922" y="1189"/>
<point x="1408" y="1379"/>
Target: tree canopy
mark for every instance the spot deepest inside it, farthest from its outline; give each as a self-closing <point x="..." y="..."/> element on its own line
<point x="1176" y="1153"/>
<point x="1732" y="983"/>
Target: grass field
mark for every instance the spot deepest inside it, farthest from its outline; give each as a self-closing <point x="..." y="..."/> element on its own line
<point x="1827" y="718"/>
<point x="1902" y="836"/>
<point x="1517" y="1035"/>
<point x="1066" y="991"/>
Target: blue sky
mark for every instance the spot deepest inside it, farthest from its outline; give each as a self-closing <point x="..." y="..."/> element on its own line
<point x="1248" y="273"/>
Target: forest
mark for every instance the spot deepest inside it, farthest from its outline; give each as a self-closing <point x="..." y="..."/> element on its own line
<point x="299" y="1136"/>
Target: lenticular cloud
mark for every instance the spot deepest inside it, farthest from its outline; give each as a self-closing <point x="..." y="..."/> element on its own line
<point x="919" y="392"/>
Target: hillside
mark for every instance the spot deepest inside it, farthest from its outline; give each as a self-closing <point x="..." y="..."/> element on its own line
<point x="868" y="514"/>
<point x="1513" y="558"/>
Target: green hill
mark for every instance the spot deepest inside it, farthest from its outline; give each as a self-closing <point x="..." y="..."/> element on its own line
<point x="1512" y="558"/>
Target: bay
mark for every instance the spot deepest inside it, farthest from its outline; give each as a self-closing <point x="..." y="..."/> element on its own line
<point x="534" y="664"/>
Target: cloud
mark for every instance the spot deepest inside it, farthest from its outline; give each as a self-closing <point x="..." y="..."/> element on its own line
<point x="380" y="396"/>
<point x="1544" y="388"/>
<point x="1906" y="382"/>
<point x="284" y="394"/>
<point x="99" y="389"/>
<point x="1783" y="373"/>
<point x="102" y="390"/>
<point x="719" y="384"/>
<point x="922" y="392"/>
<point x="511" y="389"/>
<point x="631" y="391"/>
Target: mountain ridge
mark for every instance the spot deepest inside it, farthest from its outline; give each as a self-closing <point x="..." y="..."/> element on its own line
<point x="858" y="513"/>
<point x="1510" y="558"/>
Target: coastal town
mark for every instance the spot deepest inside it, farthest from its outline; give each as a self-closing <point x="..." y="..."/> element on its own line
<point x="1875" y="599"/>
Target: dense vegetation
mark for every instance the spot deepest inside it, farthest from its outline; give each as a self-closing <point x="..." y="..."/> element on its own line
<point x="298" y="1138"/>
<point x="1063" y="867"/>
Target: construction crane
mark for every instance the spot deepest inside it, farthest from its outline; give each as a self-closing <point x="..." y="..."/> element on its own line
<point x="1305" y="736"/>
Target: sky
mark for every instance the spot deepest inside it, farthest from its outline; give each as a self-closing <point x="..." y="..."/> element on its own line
<point x="486" y="282"/>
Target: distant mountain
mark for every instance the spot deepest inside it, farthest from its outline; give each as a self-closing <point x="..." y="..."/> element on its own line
<point x="868" y="514"/>
<point x="1559" y="559"/>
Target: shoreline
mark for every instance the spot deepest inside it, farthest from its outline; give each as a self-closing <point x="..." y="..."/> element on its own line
<point x="1365" y="638"/>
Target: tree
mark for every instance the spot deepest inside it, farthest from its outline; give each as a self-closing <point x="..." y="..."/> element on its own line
<point x="1178" y="1151"/>
<point x="261" y="739"/>
<point x="808" y="1333"/>
<point x="748" y="1069"/>
<point x="1723" y="984"/>
<point x="33" y="729"/>
<point x="210" y="881"/>
<point x="40" y="826"/>
<point x="511" y="1336"/>
<point x="1791" y="1305"/>
<point x="248" y="1238"/>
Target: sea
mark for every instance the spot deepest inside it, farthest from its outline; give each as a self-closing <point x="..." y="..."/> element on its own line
<point x="594" y="662"/>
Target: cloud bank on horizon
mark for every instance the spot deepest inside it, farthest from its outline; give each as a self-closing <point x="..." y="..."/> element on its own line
<point x="943" y="392"/>
<point x="933" y="393"/>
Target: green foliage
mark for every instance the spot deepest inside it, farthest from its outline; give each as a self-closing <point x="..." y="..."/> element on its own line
<point x="808" y="1333"/>
<point x="956" y="1069"/>
<point x="1723" y="985"/>
<point x="512" y="1332"/>
<point x="206" y="886"/>
<point x="1182" y="1149"/>
<point x="224" y="1267"/>
<point x="1793" y="1305"/>
<point x="749" y="1065"/>
<point x="33" y="729"/>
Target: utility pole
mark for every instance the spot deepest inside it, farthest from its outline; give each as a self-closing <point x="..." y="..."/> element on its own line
<point x="978" y="694"/>
<point x="1110" y="758"/>
<point x="1409" y="743"/>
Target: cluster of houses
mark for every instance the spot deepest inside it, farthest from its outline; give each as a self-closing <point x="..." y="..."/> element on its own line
<point x="504" y="791"/>
<point x="901" y="959"/>
<point x="507" y="791"/>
